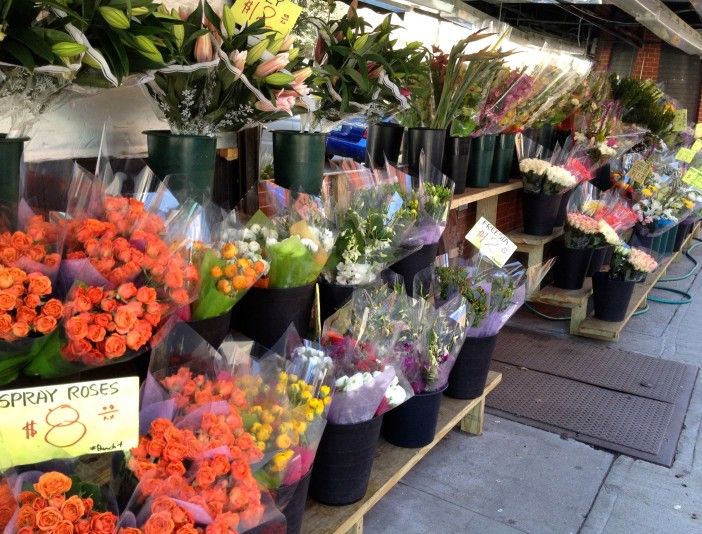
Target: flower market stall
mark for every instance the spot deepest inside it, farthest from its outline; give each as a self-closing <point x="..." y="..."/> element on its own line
<point x="182" y="353"/>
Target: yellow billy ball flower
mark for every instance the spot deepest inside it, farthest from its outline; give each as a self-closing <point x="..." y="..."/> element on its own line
<point x="283" y="441"/>
<point x="324" y="391"/>
<point x="267" y="417"/>
<point x="647" y="192"/>
<point x="326" y="401"/>
<point x="229" y="251"/>
<point x="307" y="394"/>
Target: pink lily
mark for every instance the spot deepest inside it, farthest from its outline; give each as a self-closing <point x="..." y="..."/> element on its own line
<point x="285" y="101"/>
<point x="271" y="65"/>
<point x="203" y="49"/>
<point x="302" y="74"/>
<point x="238" y="59"/>
<point x="287" y="43"/>
<point x="300" y="88"/>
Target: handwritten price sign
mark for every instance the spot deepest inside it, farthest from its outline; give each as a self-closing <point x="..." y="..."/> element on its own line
<point x="280" y="15"/>
<point x="639" y="171"/>
<point x="685" y="155"/>
<point x="491" y="243"/>
<point x="68" y="420"/>
<point x="680" y="120"/>
<point x="693" y="177"/>
<point x="698" y="130"/>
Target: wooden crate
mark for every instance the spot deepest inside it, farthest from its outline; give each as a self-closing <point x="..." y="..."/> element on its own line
<point x="609" y="331"/>
<point x="392" y="463"/>
<point x="575" y="299"/>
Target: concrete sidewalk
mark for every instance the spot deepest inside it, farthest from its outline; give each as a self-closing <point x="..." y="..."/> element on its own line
<point x="516" y="478"/>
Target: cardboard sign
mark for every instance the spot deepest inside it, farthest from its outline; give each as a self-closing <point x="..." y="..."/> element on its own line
<point x="696" y="146"/>
<point x="639" y="171"/>
<point x="685" y="155"/>
<point x="280" y="15"/>
<point x="68" y="420"/>
<point x="680" y="120"/>
<point x="698" y="130"/>
<point x="693" y="177"/>
<point x="491" y="243"/>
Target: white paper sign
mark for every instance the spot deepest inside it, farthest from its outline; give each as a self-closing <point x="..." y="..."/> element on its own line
<point x="491" y="243"/>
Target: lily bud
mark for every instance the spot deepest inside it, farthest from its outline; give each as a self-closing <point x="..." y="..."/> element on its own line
<point x="294" y="52"/>
<point x="114" y="17"/>
<point x="279" y="79"/>
<point x="257" y="51"/>
<point x="67" y="49"/>
<point x="228" y="20"/>
<point x="203" y="49"/>
<point x="287" y="42"/>
<point x="138" y="11"/>
<point x="147" y="48"/>
<point x="272" y="65"/>
<point x="302" y="74"/>
<point x="238" y="59"/>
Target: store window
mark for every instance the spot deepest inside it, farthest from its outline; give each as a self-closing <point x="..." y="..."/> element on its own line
<point x="622" y="60"/>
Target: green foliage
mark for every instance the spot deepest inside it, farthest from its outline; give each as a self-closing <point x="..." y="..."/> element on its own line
<point x="644" y="104"/>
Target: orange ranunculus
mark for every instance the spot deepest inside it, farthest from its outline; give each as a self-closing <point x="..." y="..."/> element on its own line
<point x="40" y="285"/>
<point x="73" y="509"/>
<point x="146" y="294"/>
<point x="21" y="241"/>
<point x="52" y="484"/>
<point x="159" y="523"/>
<point x="96" y="333"/>
<point x="47" y="518"/>
<point x="45" y="324"/>
<point x="6" y="279"/>
<point x="76" y="328"/>
<point x="103" y="523"/>
<point x="53" y="308"/>
<point x="8" y="301"/>
<point x="115" y="346"/>
<point x="26" y="517"/>
<point x="127" y="291"/>
<point x="20" y="329"/>
<point x="63" y="527"/>
<point x="180" y="296"/>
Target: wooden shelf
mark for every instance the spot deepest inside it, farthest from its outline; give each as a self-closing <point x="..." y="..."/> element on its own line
<point x="609" y="331"/>
<point x="392" y="463"/>
<point x="474" y="194"/>
<point x="527" y="241"/>
<point x="566" y="298"/>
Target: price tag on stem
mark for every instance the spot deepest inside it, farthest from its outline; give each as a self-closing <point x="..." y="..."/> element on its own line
<point x="491" y="243"/>
<point x="68" y="420"/>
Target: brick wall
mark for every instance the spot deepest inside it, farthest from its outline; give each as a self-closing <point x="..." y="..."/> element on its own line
<point x="509" y="211"/>
<point x="648" y="58"/>
<point x="603" y="54"/>
<point x="699" y="108"/>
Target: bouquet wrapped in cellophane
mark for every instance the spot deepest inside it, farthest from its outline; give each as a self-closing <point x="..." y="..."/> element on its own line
<point x="360" y="340"/>
<point x="291" y="231"/>
<point x="374" y="215"/>
<point x="612" y="212"/>
<point x="492" y="294"/>
<point x="66" y="495"/>
<point x="550" y="176"/>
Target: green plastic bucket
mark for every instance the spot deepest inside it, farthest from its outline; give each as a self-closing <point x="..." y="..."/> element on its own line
<point x="298" y="160"/>
<point x="504" y="153"/>
<point x="482" y="152"/>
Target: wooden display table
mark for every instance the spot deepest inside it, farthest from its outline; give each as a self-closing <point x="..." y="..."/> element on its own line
<point x="392" y="463"/>
<point x="574" y="299"/>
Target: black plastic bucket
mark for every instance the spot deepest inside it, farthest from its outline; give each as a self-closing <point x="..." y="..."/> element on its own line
<point x="295" y="507"/>
<point x="571" y="267"/>
<point x="11" y="150"/>
<point x="469" y="373"/>
<point x="412" y="424"/>
<point x="611" y="297"/>
<point x="504" y="154"/>
<point x="410" y="265"/>
<point x="344" y="461"/>
<point x="430" y="140"/>
<point x="264" y="314"/>
<point x="384" y="141"/>
<point x="597" y="260"/>
<point x="214" y="329"/>
<point x="482" y="154"/>
<point x="539" y="213"/>
<point x="563" y="209"/>
<point x="332" y="297"/>
<point x="456" y="160"/>
<point x="602" y="179"/>
<point x="684" y="229"/>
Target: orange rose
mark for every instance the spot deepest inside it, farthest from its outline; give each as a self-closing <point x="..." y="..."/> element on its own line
<point x="103" y="523"/>
<point x="115" y="346"/>
<point x="159" y="523"/>
<point x="102" y="319"/>
<point x="8" y="255"/>
<point x="205" y="476"/>
<point x="32" y="301"/>
<point x="52" y="484"/>
<point x="21" y="241"/>
<point x="82" y="527"/>
<point x="36" y="253"/>
<point x="175" y="468"/>
<point x="25" y="314"/>
<point x="129" y="530"/>
<point x="124" y="318"/>
<point x="127" y="291"/>
<point x="155" y="447"/>
<point x="45" y="324"/>
<point x="135" y="340"/>
<point x="6" y="279"/>
<point x="220" y="464"/>
<point x="48" y="518"/>
<point x="146" y="295"/>
<point x="73" y="509"/>
<point x="187" y="529"/>
<point x="52" y="260"/>
<point x="26" y="516"/>
<point x="81" y="303"/>
<point x="53" y="308"/>
<point x="64" y="527"/>
<point x="95" y="294"/>
<point x="18" y="290"/>
<point x="20" y="329"/>
<point x="5" y="324"/>
<point x="76" y="328"/>
<point x="108" y="305"/>
<point x="8" y="301"/>
<point x="96" y="333"/>
<point x="180" y="296"/>
<point x="174" y="279"/>
<point x="175" y="452"/>
<point x="40" y="285"/>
